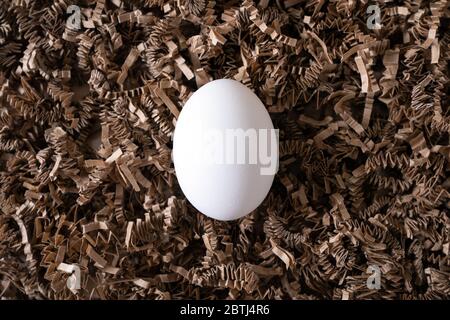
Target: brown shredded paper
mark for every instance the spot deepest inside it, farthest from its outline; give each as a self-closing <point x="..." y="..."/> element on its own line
<point x="90" y="207"/>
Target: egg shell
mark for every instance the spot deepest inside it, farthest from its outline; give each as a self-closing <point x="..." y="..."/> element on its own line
<point x="219" y="189"/>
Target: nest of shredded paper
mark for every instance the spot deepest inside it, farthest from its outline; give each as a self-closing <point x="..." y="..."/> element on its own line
<point x="87" y="115"/>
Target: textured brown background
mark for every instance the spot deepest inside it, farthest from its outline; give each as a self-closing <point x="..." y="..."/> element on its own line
<point x="86" y="178"/>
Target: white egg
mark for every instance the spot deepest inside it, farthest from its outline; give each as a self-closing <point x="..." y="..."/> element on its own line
<point x="225" y="150"/>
